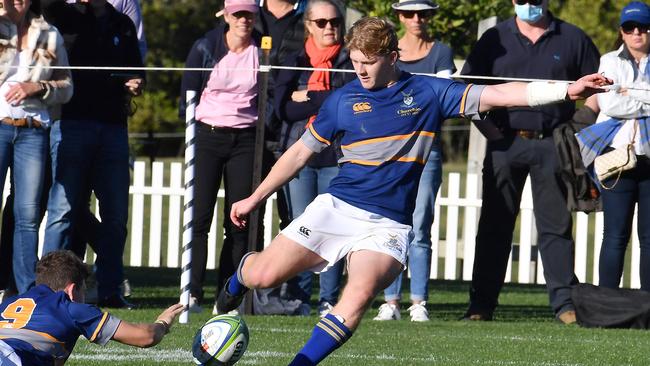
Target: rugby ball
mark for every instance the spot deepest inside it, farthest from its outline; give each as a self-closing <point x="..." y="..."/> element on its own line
<point x="222" y="340"/>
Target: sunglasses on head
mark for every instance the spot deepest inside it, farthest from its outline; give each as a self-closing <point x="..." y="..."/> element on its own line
<point x="628" y="28"/>
<point x="322" y="23"/>
<point x="531" y="2"/>
<point x="422" y="14"/>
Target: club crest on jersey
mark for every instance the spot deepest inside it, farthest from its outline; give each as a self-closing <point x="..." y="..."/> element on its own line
<point x="409" y="105"/>
<point x="408" y="98"/>
<point x="361" y="107"/>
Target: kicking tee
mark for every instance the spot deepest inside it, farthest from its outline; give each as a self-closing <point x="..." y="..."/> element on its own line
<point x="42" y="325"/>
<point x="385" y="137"/>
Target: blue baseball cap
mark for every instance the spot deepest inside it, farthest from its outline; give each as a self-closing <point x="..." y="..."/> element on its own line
<point x="637" y="12"/>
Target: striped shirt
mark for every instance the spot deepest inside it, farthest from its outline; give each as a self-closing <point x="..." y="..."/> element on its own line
<point x="385" y="137"/>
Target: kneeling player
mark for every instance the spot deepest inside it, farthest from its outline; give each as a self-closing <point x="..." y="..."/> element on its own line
<point x="42" y="325"/>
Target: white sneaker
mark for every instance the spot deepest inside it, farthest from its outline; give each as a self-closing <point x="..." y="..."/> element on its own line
<point x="216" y="312"/>
<point x="324" y="308"/>
<point x="419" y="312"/>
<point x="388" y="312"/>
<point x="194" y="306"/>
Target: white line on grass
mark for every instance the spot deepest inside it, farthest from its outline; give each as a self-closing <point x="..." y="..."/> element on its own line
<point x="263" y="357"/>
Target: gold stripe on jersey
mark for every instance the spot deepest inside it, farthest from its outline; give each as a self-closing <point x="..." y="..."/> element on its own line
<point x="99" y="327"/>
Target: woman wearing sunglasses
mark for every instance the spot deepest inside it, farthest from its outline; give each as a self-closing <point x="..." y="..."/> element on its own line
<point x="299" y="95"/>
<point x="419" y="52"/>
<point x="623" y="120"/>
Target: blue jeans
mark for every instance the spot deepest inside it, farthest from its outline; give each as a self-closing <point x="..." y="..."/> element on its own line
<point x="618" y="208"/>
<point x="419" y="258"/>
<point x="90" y="155"/>
<point x="300" y="191"/>
<point x="25" y="151"/>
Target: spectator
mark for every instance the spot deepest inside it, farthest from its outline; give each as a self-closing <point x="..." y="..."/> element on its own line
<point x="419" y="52"/>
<point x="298" y="97"/>
<point x="225" y="133"/>
<point x="623" y="119"/>
<point x="133" y="10"/>
<point x="89" y="145"/>
<point x="31" y="97"/>
<point x="53" y="317"/>
<point x="533" y="44"/>
<point x="88" y="226"/>
<point x="282" y="20"/>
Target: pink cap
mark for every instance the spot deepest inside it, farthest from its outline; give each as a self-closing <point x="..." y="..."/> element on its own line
<point x="233" y="6"/>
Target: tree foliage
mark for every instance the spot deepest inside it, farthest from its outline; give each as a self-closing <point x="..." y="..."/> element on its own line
<point x="172" y="26"/>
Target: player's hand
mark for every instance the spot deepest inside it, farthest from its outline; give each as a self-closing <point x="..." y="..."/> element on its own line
<point x="240" y="211"/>
<point x="171" y="313"/>
<point x="588" y="85"/>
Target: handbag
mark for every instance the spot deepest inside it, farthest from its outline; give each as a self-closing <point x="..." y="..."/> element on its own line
<point x="616" y="162"/>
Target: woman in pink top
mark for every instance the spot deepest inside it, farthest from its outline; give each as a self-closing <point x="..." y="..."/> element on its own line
<point x="225" y="135"/>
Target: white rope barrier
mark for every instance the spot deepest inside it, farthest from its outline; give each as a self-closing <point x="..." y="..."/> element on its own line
<point x="269" y="68"/>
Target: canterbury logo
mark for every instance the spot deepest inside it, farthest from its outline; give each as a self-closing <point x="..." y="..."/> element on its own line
<point x="304" y="231"/>
<point x="362" y="107"/>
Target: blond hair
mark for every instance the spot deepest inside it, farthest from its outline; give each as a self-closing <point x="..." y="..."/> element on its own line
<point x="372" y="36"/>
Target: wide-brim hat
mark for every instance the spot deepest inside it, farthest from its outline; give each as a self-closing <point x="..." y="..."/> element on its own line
<point x="415" y="5"/>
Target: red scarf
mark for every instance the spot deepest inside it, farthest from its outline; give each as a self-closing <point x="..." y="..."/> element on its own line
<point x="320" y="59"/>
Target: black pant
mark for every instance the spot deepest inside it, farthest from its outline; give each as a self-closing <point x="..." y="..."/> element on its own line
<point x="228" y="152"/>
<point x="506" y="166"/>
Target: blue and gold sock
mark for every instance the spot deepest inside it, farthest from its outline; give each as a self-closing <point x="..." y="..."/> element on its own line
<point x="235" y="283"/>
<point x="328" y="335"/>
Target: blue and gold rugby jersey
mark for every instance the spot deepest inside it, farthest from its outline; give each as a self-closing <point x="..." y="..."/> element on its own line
<point x="386" y="136"/>
<point x="42" y="325"/>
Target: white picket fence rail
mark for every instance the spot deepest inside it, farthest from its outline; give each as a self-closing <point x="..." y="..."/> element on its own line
<point x="156" y="208"/>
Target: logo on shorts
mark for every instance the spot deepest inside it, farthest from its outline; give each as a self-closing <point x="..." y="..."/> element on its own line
<point x="361" y="107"/>
<point x="393" y="244"/>
<point x="304" y="231"/>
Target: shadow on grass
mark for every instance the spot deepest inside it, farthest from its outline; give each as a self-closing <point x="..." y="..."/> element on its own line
<point x="160" y="287"/>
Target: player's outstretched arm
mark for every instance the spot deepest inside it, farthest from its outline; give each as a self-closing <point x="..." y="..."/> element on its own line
<point x="147" y="334"/>
<point x="540" y="93"/>
<point x="289" y="164"/>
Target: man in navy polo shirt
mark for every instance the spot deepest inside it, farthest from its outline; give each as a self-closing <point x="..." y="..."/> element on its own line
<point x="533" y="44"/>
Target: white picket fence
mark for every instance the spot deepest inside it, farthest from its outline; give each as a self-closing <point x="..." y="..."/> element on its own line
<point x="156" y="211"/>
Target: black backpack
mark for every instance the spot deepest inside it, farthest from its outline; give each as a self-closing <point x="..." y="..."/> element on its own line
<point x="582" y="193"/>
<point x="600" y="307"/>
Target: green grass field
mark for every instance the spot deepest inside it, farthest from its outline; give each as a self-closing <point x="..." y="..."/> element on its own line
<point x="523" y="333"/>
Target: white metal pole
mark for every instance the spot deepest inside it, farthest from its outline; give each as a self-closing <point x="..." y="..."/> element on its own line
<point x="186" y="259"/>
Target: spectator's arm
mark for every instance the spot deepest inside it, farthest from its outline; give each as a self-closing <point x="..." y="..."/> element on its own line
<point x="59" y="88"/>
<point x="133" y="11"/>
<point x="147" y="334"/>
<point x="191" y="79"/>
<point x="287" y="109"/>
<point x="619" y="104"/>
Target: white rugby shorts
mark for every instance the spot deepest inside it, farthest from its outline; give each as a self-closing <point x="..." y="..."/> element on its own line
<point x="333" y="228"/>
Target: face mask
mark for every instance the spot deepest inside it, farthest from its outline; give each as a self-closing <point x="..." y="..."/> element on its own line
<point x="529" y="13"/>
